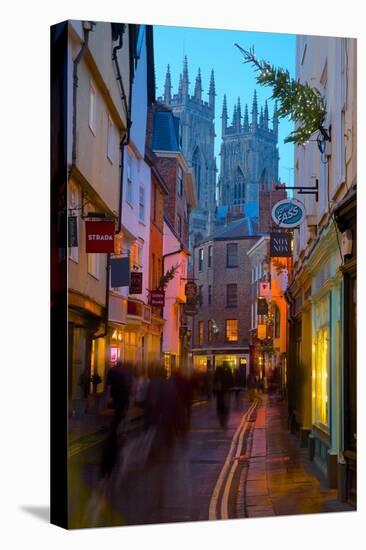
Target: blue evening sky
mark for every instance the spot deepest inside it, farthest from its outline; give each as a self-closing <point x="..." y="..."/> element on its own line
<point x="211" y="48"/>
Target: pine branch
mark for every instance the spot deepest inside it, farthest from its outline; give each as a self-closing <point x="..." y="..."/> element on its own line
<point x="299" y="102"/>
<point x="169" y="276"/>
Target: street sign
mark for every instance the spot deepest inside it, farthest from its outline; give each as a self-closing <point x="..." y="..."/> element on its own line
<point x="190" y="309"/>
<point x="120" y="272"/>
<point x="280" y="245"/>
<point x="99" y="237"/>
<point x="288" y="213"/>
<point x="261" y="332"/>
<point x="157" y="298"/>
<point x="136" y="282"/>
<point x="191" y="292"/>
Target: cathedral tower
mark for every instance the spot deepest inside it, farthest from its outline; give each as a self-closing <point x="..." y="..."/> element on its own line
<point x="249" y="157"/>
<point x="198" y="143"/>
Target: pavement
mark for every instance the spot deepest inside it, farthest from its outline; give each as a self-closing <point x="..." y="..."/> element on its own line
<point x="251" y="468"/>
<point x="281" y="480"/>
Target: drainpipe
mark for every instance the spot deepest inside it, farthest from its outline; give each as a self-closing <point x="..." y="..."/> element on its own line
<point x="124" y="141"/>
<point x="87" y="27"/>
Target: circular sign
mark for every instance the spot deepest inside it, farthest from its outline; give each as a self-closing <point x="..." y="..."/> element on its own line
<point x="288" y="213"/>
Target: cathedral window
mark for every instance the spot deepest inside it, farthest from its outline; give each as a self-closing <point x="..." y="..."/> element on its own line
<point x="197" y="171"/>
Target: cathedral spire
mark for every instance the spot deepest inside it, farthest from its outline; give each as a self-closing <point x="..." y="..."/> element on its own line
<point x="198" y="86"/>
<point x="265" y="116"/>
<point x="233" y="123"/>
<point x="167" y="87"/>
<point x="185" y="80"/>
<point x="261" y="118"/>
<point x="255" y="110"/>
<point x="224" y="115"/>
<point x="246" y="118"/>
<point x="180" y="87"/>
<point x="238" y="116"/>
<point x="275" y="119"/>
<point x="211" y="92"/>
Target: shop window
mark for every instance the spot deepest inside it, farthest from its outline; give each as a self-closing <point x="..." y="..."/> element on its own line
<point x="232" y="255"/>
<point x="320" y="376"/>
<point x="231" y="330"/>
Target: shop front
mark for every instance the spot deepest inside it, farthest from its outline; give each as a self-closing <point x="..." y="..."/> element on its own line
<point x="324" y="439"/>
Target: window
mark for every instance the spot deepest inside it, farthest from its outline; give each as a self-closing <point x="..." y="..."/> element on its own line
<point x="200" y="295"/>
<point x="277" y="321"/>
<point x="153" y="271"/>
<point x="209" y="295"/>
<point x="209" y="331"/>
<point x="154" y="205"/>
<point x="142" y="204"/>
<point x="200" y="259"/>
<point x="231" y="330"/>
<point x="110" y="140"/>
<point x="74" y="250"/>
<point x="321" y="376"/>
<point x="180" y="226"/>
<point x="200" y="332"/>
<point x="93" y="265"/>
<point x="232" y="295"/>
<point x="92" y="109"/>
<point x="210" y="256"/>
<point x="232" y="255"/>
<point x="129" y="195"/>
<point x="180" y="181"/>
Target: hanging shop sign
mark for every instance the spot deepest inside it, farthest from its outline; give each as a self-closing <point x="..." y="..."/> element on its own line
<point x="280" y="245"/>
<point x="120" y="272"/>
<point x="288" y="213"/>
<point x="264" y="288"/>
<point x="136" y="282"/>
<point x="73" y="231"/>
<point x="99" y="237"/>
<point x="157" y="298"/>
<point x="262" y="306"/>
<point x="190" y="309"/>
<point x="191" y="292"/>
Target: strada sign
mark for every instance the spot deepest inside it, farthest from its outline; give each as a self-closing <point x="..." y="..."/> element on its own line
<point x="99" y="237"/>
<point x="288" y="213"/>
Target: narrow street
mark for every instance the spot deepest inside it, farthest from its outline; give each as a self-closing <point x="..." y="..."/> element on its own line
<point x="253" y="468"/>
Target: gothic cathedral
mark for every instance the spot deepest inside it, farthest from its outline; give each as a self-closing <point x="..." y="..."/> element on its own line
<point x="249" y="158"/>
<point x="198" y="144"/>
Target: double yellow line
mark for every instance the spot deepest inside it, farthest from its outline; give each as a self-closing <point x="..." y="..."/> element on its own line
<point x="225" y="479"/>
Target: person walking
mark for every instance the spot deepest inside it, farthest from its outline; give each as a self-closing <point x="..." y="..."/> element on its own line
<point x="223" y="383"/>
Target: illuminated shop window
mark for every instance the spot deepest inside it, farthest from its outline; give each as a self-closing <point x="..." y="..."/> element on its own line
<point x="231" y="330"/>
<point x="320" y="382"/>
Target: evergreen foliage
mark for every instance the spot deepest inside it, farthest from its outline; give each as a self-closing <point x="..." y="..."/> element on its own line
<point x="298" y="102"/>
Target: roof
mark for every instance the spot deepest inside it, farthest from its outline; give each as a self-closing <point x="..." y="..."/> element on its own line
<point x="238" y="229"/>
<point x="165" y="132"/>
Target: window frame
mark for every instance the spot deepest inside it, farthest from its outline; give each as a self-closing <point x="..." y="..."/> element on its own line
<point x="233" y="246"/>
<point x="227" y="338"/>
<point x="201" y="333"/>
<point x="92" y="108"/>
<point x="142" y="210"/>
<point x="209" y="256"/>
<point x="228" y="304"/>
<point x="200" y="259"/>
<point x="110" y="140"/>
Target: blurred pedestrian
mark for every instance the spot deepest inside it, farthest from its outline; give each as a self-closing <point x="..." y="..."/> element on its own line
<point x="223" y="383"/>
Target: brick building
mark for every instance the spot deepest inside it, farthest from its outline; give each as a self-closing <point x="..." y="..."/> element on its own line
<point x="222" y="273"/>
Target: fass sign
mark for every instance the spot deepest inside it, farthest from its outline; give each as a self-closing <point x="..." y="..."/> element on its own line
<point x="288" y="213"/>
